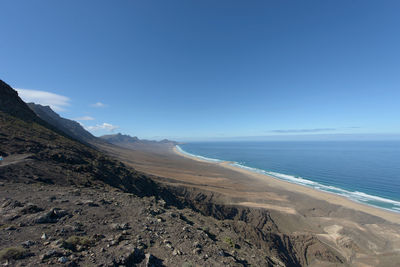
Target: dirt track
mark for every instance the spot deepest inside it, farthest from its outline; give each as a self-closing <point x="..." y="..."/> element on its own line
<point x="14" y="159"/>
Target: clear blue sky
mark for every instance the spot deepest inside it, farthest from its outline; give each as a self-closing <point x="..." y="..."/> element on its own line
<point x="201" y="69"/>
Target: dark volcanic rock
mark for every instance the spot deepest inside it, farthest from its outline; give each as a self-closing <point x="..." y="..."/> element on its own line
<point x="50" y="254"/>
<point x="11" y="103"/>
<point x="30" y="209"/>
<point x="52" y="216"/>
<point x="70" y="127"/>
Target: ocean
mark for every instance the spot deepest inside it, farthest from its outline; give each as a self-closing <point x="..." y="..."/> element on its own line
<point x="363" y="171"/>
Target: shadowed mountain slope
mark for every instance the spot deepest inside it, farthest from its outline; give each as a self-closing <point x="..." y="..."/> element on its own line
<point x="70" y="127"/>
<point x="53" y="158"/>
<point x="11" y="104"/>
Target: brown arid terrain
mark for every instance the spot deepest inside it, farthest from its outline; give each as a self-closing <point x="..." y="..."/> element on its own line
<point x="64" y="203"/>
<point x="361" y="235"/>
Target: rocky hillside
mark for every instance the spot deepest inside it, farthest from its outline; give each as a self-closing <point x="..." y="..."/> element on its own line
<point x="35" y="151"/>
<point x="69" y="127"/>
<point x="13" y="105"/>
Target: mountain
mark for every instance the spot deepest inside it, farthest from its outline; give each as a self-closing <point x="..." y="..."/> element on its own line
<point x="130" y="142"/>
<point x="35" y="150"/>
<point x="11" y="104"/>
<point x="119" y="138"/>
<point x="69" y="127"/>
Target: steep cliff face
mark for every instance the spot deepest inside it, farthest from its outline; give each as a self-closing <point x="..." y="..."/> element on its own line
<point x="69" y="127"/>
<point x="11" y="104"/>
<point x="259" y="227"/>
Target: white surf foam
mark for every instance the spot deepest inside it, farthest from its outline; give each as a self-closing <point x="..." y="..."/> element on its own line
<point x="361" y="197"/>
<point x="197" y="156"/>
<point x="357" y="196"/>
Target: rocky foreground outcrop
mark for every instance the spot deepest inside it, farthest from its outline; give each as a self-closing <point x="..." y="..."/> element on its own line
<point x="83" y="226"/>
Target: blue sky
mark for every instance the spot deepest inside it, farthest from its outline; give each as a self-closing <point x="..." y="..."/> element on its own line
<point x="192" y="70"/>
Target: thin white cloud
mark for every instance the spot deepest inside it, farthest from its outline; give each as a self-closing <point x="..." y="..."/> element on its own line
<point x="105" y="126"/>
<point x="303" y="130"/>
<point x="98" y="105"/>
<point x="56" y="102"/>
<point x="84" y="118"/>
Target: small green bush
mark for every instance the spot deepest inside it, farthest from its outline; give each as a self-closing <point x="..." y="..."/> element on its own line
<point x="229" y="241"/>
<point x="73" y="241"/>
<point x="14" y="253"/>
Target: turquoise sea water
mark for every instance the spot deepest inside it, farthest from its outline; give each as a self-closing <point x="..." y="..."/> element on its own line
<point x="364" y="171"/>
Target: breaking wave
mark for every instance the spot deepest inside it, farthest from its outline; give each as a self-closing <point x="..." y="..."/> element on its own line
<point x="360" y="197"/>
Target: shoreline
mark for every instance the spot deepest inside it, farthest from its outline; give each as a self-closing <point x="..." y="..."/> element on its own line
<point x="332" y="198"/>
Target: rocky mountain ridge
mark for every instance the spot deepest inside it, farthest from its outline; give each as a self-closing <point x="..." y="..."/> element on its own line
<point x="119" y="138"/>
<point x="70" y="127"/>
<point x="126" y="140"/>
<point x="11" y="104"/>
<point x="75" y="130"/>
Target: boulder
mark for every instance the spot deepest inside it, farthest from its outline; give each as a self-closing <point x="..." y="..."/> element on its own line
<point x="50" y="254"/>
<point x="51" y="216"/>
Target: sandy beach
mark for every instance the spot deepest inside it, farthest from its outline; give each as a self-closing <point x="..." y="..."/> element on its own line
<point x="326" y="196"/>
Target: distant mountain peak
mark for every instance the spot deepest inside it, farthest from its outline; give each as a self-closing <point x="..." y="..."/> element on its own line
<point x="119" y="138"/>
<point x="125" y="140"/>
